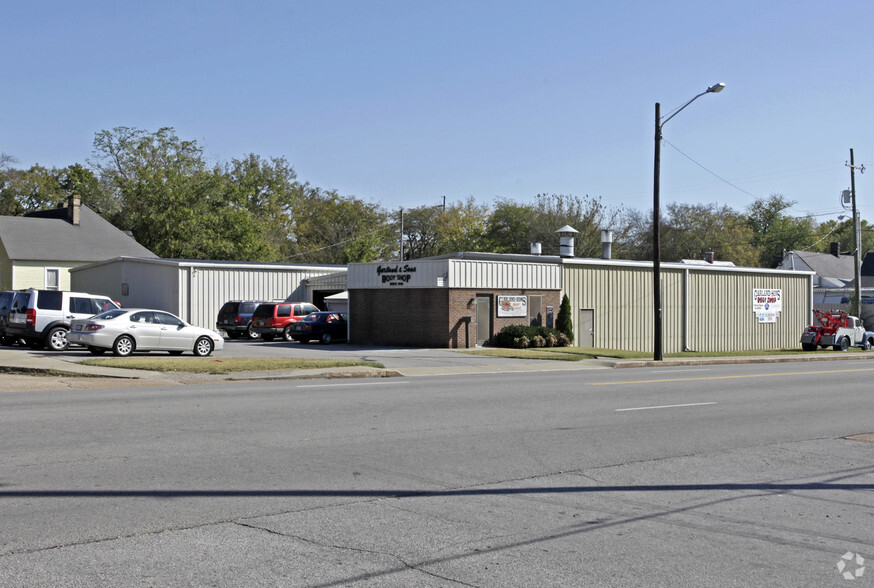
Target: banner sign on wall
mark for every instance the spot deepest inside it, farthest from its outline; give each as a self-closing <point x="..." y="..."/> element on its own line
<point x="512" y="306"/>
<point x="767" y="304"/>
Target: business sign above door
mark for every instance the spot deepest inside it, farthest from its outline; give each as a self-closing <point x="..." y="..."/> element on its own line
<point x="509" y="306"/>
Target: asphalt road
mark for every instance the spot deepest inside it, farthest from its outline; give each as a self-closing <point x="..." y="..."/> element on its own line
<point x="711" y="475"/>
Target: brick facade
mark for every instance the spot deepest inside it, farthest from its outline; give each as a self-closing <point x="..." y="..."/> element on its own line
<point x="429" y="317"/>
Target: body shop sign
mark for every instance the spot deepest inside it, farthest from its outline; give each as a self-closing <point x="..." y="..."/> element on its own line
<point x="396" y="275"/>
<point x="512" y="306"/>
<point x="767" y="304"/>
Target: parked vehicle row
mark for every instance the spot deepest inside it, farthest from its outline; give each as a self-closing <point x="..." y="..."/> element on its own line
<point x="292" y="321"/>
<point x="55" y="318"/>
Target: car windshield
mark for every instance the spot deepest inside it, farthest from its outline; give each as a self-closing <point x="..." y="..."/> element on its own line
<point x="110" y="314"/>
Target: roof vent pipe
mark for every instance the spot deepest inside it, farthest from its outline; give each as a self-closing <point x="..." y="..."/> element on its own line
<point x="606" y="244"/>
<point x="708" y="256"/>
<point x="566" y="242"/>
<point x="535" y="248"/>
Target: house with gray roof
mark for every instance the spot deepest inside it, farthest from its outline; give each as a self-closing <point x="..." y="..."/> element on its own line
<point x="833" y="270"/>
<point x="39" y="249"/>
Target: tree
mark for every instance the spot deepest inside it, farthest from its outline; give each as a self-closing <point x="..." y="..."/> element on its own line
<point x="263" y="195"/>
<point x="509" y="228"/>
<point x="161" y="189"/>
<point x="773" y="231"/>
<point x="564" y="322"/>
<point x="421" y="232"/>
<point x="330" y="228"/>
<point x="512" y="226"/>
<point x="23" y="191"/>
<point x="462" y="227"/>
<point x="690" y="230"/>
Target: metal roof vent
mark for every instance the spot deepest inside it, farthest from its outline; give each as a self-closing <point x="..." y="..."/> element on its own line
<point x="606" y="244"/>
<point x="566" y="244"/>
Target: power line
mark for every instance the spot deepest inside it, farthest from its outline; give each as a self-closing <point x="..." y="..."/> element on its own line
<point x="712" y="173"/>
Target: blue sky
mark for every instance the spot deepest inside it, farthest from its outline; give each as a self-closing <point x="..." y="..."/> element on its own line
<point x="404" y="102"/>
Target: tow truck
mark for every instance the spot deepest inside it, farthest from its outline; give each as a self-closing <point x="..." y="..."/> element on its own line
<point x="838" y="330"/>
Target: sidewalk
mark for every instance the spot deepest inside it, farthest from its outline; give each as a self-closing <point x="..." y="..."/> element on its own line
<point x="412" y="364"/>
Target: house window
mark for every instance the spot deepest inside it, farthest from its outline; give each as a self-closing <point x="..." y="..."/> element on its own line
<point x="53" y="278"/>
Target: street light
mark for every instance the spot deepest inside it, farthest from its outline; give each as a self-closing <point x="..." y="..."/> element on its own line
<point x="656" y="242"/>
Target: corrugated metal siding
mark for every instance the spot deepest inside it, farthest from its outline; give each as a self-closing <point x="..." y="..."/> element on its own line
<point x="104" y="279"/>
<point x="621" y="298"/>
<point x="213" y="286"/>
<point x="464" y="273"/>
<point x="721" y="314"/>
<point x="461" y="273"/>
<point x="192" y="291"/>
<point x="713" y="313"/>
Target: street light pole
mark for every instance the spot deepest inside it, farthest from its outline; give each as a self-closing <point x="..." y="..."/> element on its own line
<point x="658" y="355"/>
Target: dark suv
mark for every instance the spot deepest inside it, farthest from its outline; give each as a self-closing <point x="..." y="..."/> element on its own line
<point x="235" y="318"/>
<point x="275" y="318"/>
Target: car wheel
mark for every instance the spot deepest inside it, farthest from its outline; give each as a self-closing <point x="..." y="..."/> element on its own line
<point x="267" y="337"/>
<point x="35" y="343"/>
<point x="8" y="341"/>
<point x="868" y="344"/>
<point x="808" y="346"/>
<point x="96" y="350"/>
<point x="845" y="344"/>
<point x="251" y="333"/>
<point x="123" y="346"/>
<point x="286" y="333"/>
<point x="203" y="346"/>
<point x="56" y="340"/>
<point x="326" y="338"/>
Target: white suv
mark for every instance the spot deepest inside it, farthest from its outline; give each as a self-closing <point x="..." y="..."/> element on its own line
<point x="42" y="317"/>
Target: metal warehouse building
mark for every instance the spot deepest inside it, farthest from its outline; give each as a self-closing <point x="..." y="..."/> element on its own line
<point x="195" y="290"/>
<point x="704" y="307"/>
<point x="465" y="299"/>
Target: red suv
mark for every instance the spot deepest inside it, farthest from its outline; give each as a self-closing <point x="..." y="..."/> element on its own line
<point x="275" y="318"/>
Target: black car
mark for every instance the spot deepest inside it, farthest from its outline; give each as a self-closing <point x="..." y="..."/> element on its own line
<point x="327" y="327"/>
<point x="235" y="318"/>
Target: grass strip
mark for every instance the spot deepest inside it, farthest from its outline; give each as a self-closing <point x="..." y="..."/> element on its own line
<point x="582" y="353"/>
<point x="212" y="365"/>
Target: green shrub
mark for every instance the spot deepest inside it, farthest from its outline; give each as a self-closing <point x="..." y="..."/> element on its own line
<point x="523" y="336"/>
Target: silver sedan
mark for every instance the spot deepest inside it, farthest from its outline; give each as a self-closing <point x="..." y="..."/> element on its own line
<point x="127" y="330"/>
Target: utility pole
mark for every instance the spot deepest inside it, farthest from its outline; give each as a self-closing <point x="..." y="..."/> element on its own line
<point x="401" y="239"/>
<point x="857" y="235"/>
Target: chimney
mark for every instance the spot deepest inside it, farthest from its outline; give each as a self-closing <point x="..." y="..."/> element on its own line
<point x="606" y="244"/>
<point x="708" y="256"/>
<point x="835" y="249"/>
<point x="74" y="209"/>
<point x="566" y="241"/>
<point x="535" y="249"/>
